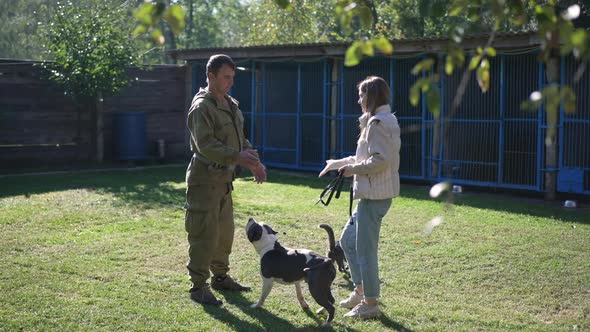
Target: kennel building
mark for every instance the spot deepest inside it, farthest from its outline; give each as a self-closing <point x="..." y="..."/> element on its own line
<point x="300" y="106"/>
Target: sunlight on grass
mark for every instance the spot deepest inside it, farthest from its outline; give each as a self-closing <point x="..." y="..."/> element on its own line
<point x="107" y="252"/>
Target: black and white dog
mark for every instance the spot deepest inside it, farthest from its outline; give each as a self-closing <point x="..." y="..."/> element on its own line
<point x="291" y="266"/>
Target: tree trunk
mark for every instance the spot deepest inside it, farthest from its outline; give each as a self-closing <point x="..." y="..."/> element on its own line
<point x="78" y="139"/>
<point x="91" y="106"/>
<point x="99" y="129"/>
<point x="96" y="129"/>
<point x="553" y="78"/>
<point x="435" y="154"/>
<point x="170" y="40"/>
<point x="191" y="24"/>
<point x="188" y="90"/>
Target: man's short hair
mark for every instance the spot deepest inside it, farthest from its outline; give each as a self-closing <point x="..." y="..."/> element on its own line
<point x="217" y="61"/>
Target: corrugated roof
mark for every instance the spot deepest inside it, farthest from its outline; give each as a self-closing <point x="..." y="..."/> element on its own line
<point x="337" y="49"/>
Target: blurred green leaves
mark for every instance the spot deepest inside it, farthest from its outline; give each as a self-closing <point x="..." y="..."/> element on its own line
<point x="551" y="97"/>
<point x="423" y="66"/>
<point x="481" y="65"/>
<point x="455" y="59"/>
<point x="426" y="84"/>
<point x="555" y="30"/>
<point x="149" y="16"/>
<point x="366" y="47"/>
<point x="347" y="11"/>
<point x="284" y="4"/>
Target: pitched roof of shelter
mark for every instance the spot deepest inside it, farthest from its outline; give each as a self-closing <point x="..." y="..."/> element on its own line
<point x="503" y="40"/>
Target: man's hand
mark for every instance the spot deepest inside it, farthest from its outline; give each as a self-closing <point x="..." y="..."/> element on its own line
<point x="249" y="159"/>
<point x="259" y="173"/>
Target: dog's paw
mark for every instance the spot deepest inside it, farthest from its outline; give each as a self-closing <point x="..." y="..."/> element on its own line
<point x="255" y="305"/>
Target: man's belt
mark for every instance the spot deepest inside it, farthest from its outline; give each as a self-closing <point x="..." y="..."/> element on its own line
<point x="212" y="164"/>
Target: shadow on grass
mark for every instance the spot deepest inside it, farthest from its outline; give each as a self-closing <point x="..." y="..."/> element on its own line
<point x="237" y="324"/>
<point x="512" y="202"/>
<point x="116" y="180"/>
<point x="393" y="325"/>
<point x="346" y="280"/>
<point x="153" y="187"/>
<point x="145" y="188"/>
<point x="271" y="322"/>
<point x="268" y="320"/>
<point x="506" y="201"/>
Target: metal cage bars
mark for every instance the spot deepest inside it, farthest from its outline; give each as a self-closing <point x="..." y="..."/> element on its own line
<point x="512" y="154"/>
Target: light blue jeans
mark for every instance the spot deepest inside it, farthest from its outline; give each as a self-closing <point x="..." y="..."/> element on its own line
<point x="360" y="240"/>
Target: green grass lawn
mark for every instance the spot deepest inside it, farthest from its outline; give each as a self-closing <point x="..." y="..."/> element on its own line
<point x="106" y="251"/>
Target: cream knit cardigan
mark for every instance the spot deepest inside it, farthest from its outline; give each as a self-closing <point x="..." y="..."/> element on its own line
<point x="376" y="163"/>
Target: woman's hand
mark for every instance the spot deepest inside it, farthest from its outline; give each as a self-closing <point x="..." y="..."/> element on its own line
<point x="328" y="167"/>
<point x="346" y="170"/>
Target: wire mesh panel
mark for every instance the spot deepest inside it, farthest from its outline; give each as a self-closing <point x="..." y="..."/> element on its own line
<point x="312" y="135"/>
<point x="575" y="134"/>
<point x="280" y="83"/>
<point x="199" y="76"/>
<point x="471" y="136"/>
<point x="521" y="145"/>
<point x="242" y="92"/>
<point x="280" y="132"/>
<point x="410" y="119"/>
<point x="298" y="113"/>
<point x="280" y="104"/>
<point x="257" y="118"/>
<point x="350" y="109"/>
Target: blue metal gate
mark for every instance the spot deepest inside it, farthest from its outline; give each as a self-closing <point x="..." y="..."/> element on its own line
<point x="470" y="138"/>
<point x="300" y="113"/>
<point x="574" y="135"/>
<point x="521" y="145"/>
<point x="413" y="121"/>
<point x="293" y="114"/>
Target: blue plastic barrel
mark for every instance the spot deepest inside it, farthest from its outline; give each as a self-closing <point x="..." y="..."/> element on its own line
<point x="130" y="135"/>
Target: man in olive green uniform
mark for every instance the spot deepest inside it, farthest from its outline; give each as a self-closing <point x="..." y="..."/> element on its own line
<point x="218" y="145"/>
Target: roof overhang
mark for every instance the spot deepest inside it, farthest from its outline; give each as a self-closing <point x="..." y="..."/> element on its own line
<point x="404" y="46"/>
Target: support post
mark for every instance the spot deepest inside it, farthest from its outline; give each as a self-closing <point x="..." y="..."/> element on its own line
<point x="333" y="106"/>
<point x="188" y="91"/>
<point x="553" y="78"/>
<point x="99" y="128"/>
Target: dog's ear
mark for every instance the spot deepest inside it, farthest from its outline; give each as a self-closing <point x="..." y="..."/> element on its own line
<point x="270" y="230"/>
<point x="254" y="233"/>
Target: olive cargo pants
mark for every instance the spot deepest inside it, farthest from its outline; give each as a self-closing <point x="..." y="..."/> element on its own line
<point x="209" y="222"/>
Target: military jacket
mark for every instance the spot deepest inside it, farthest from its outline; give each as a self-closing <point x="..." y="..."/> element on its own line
<point x="217" y="137"/>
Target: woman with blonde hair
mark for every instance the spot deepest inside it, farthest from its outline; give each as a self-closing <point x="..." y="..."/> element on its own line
<point x="376" y="182"/>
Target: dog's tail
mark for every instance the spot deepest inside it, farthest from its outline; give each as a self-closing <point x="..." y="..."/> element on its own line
<point x="330" y="235"/>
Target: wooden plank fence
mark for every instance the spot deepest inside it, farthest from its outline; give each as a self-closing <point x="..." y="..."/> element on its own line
<point x="40" y="126"/>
